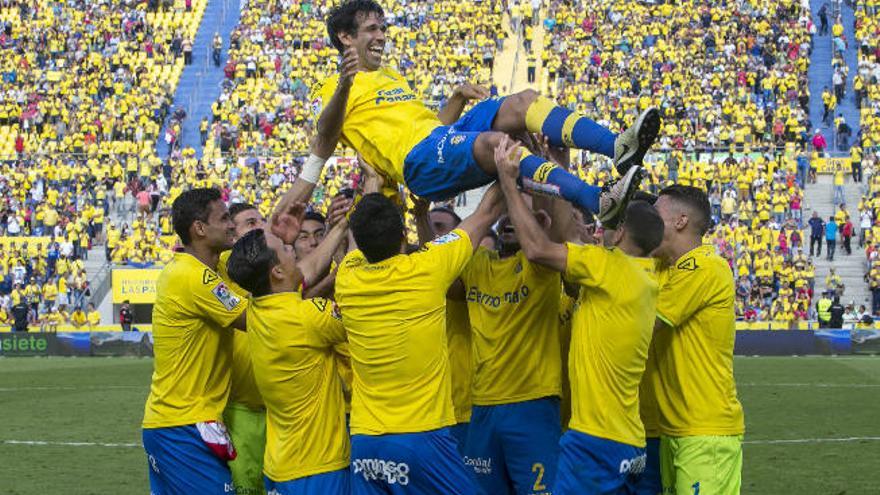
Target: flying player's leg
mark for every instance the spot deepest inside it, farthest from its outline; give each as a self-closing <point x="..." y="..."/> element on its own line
<point x="545" y="177"/>
<point x="528" y="111"/>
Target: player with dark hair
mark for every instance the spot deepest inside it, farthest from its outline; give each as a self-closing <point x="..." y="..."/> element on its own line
<point x="394" y="306"/>
<point x="292" y="342"/>
<point x="603" y="450"/>
<point x="700" y="418"/>
<point x="245" y="413"/>
<point x="513" y="305"/>
<point x="372" y="109"/>
<point x="187" y="446"/>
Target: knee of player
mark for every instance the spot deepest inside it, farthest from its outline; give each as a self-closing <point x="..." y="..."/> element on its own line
<point x="525" y="98"/>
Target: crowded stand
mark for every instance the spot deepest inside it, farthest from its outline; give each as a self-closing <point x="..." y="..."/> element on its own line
<point x="866" y="86"/>
<point x="89" y="77"/>
<point x="725" y="79"/>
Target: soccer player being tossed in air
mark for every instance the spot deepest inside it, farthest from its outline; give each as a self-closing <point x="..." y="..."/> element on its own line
<point x="372" y="109"/>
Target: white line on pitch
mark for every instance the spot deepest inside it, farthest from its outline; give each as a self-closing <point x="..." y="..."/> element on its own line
<point x="821" y="385"/>
<point x="93" y="387"/>
<point x="813" y="440"/>
<point x="68" y="444"/>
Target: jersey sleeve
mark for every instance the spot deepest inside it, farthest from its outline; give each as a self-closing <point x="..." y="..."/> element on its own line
<point x="320" y="94"/>
<point x="586" y="265"/>
<point x="323" y="316"/>
<point x="213" y="298"/>
<point x="472" y="268"/>
<point x="447" y="255"/>
<point x="684" y="292"/>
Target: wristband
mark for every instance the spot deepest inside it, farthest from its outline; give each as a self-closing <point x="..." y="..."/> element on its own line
<point x="311" y="170"/>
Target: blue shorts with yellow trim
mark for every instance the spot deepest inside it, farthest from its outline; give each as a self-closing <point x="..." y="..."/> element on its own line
<point x="424" y="463"/>
<point x="180" y="462"/>
<point x="597" y="466"/>
<point x="443" y="165"/>
<point x="514" y="448"/>
<point x="332" y="483"/>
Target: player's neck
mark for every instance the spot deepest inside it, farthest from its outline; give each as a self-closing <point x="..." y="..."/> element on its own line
<point x="204" y="254"/>
<point x="684" y="246"/>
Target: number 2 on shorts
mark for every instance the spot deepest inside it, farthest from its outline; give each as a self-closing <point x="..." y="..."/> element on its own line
<point x="539" y="485"/>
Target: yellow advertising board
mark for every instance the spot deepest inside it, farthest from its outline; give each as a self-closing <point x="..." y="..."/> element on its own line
<point x="136" y="285"/>
<point x="833" y="164"/>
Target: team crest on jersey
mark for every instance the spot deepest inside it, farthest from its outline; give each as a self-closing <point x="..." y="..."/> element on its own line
<point x="446" y="239"/>
<point x="689" y="264"/>
<point x="225" y="296"/>
<point x="457" y="139"/>
<point x="209" y="277"/>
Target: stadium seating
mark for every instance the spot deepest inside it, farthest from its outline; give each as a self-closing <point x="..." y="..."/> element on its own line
<point x="722" y="77"/>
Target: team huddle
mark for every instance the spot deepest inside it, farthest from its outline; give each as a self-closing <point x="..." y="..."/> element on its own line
<point x="526" y="349"/>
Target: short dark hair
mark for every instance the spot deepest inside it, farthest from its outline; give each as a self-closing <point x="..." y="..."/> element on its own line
<point x="344" y="19"/>
<point x="250" y="262"/>
<point x="644" y="226"/>
<point x="190" y="206"/>
<point x="315" y="217"/>
<point x="696" y="200"/>
<point x="237" y="208"/>
<point x="448" y="211"/>
<point x="377" y="227"/>
<point x="644" y="196"/>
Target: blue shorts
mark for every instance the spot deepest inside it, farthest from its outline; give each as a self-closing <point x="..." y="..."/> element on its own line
<point x="409" y="463"/>
<point x="333" y="483"/>
<point x="597" y="466"/>
<point x="443" y="165"/>
<point x="649" y="482"/>
<point x="180" y="462"/>
<point x="459" y="431"/>
<point x="513" y="448"/>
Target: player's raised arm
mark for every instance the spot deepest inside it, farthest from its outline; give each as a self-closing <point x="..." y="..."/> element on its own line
<point x="329" y="127"/>
<point x="315" y="264"/>
<point x="532" y="238"/>
<point x="456" y="103"/>
<point x="478" y="223"/>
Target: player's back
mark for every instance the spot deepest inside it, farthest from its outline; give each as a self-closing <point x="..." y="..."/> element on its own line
<point x="394" y="313"/>
<point x="611" y="333"/>
<point x="384" y="118"/>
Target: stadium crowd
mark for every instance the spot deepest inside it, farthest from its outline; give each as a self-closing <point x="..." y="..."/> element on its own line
<point x="723" y="77"/>
<point x="866" y="89"/>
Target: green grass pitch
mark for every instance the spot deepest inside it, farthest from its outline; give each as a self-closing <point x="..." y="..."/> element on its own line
<point x="72" y="425"/>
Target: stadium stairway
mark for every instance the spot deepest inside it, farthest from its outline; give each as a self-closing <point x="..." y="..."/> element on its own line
<point x="199" y="84"/>
<point x="820" y="73"/>
<point x="850" y="268"/>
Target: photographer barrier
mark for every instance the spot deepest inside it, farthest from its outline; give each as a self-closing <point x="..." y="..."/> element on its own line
<point x="140" y="344"/>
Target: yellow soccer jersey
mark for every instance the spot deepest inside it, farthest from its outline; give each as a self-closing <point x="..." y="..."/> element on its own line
<point x="461" y="367"/>
<point x="514" y="311"/>
<point x="243" y="389"/>
<point x="395" y="316"/>
<point x="695" y="387"/>
<point x="648" y="408"/>
<point x="292" y="343"/>
<point x="192" y="344"/>
<point x="384" y="118"/>
<point x="610" y="335"/>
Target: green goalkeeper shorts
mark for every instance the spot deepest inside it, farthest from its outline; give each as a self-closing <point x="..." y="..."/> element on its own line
<point x="247" y="428"/>
<point x="707" y="465"/>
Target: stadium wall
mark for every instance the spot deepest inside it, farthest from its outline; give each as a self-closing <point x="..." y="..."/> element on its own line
<point x="140" y="344"/>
